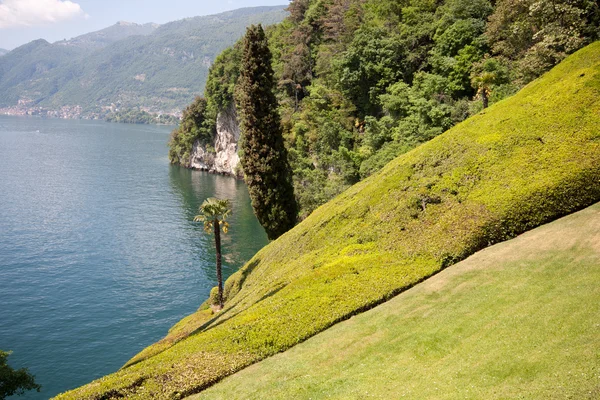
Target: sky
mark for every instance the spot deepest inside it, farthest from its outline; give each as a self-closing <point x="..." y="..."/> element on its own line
<point x="22" y="21"/>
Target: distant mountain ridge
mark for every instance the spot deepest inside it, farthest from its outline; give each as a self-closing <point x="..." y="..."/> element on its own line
<point x="156" y="68"/>
<point x="102" y="38"/>
<point x="3" y="52"/>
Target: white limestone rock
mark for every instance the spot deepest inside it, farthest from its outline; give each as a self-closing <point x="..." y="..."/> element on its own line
<point x="224" y="159"/>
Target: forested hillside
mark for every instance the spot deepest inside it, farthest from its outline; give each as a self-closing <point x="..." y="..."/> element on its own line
<point x="156" y="68"/>
<point x="362" y="81"/>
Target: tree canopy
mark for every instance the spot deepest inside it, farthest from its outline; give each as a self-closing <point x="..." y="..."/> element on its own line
<point x="14" y="381"/>
<point x="359" y="82"/>
<point x="197" y="124"/>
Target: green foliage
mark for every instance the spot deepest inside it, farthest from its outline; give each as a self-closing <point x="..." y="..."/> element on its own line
<point x="524" y="161"/>
<point x="462" y="33"/>
<point x="370" y="64"/>
<point x="488" y="75"/>
<point x="14" y="381"/>
<point x="378" y="160"/>
<point x="222" y="77"/>
<point x="197" y="124"/>
<point x="137" y="116"/>
<point x="356" y="77"/>
<point x="212" y="210"/>
<point x="418" y="112"/>
<point x="369" y="75"/>
<point x="264" y="156"/>
<point x="537" y="34"/>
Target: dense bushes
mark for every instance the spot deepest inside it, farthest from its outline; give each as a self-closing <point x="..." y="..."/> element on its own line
<point x="362" y="81"/>
<point x="137" y="116"/>
<point x="197" y="124"/>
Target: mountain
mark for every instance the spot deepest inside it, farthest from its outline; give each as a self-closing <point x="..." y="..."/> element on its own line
<point x="523" y="162"/>
<point x="3" y="52"/>
<point x="506" y="323"/>
<point x="102" y="38"/>
<point x="158" y="68"/>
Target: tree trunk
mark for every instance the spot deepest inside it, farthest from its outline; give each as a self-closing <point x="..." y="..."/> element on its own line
<point x="484" y="98"/>
<point x="218" y="248"/>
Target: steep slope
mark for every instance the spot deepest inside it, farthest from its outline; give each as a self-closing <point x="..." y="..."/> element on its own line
<point x="38" y="69"/>
<point x="523" y="162"/>
<point x="516" y="320"/>
<point x="34" y="70"/>
<point x="160" y="68"/>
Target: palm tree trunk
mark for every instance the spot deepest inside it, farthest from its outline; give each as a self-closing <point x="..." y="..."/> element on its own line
<point x="485" y="99"/>
<point x="218" y="248"/>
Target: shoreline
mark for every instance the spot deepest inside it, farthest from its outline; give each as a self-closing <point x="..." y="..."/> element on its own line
<point x="75" y="118"/>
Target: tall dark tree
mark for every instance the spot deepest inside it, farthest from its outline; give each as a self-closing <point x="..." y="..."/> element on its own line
<point x="264" y="156"/>
<point x="297" y="8"/>
<point x="297" y="69"/>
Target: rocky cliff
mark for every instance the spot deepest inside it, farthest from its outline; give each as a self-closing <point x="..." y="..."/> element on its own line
<point x="222" y="158"/>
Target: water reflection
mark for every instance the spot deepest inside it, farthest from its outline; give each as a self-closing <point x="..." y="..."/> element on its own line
<point x="245" y="236"/>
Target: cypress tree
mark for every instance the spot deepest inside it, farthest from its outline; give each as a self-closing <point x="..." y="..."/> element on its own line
<point x="264" y="156"/>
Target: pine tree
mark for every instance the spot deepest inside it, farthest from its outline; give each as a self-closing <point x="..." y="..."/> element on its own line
<point x="297" y="9"/>
<point x="264" y="156"/>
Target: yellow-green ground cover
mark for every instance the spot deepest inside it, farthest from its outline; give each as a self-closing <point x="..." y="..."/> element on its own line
<point x="523" y="162"/>
<point x="518" y="320"/>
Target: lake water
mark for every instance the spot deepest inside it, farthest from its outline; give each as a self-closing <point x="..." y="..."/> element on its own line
<point x="99" y="256"/>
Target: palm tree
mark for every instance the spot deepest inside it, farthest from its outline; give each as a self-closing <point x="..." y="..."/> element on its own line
<point x="214" y="212"/>
<point x="487" y="74"/>
<point x="483" y="83"/>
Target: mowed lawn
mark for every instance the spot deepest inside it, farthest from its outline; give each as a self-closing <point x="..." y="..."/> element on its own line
<point x="518" y="320"/>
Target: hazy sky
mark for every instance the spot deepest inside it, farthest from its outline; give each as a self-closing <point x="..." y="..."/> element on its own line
<point x="22" y="21"/>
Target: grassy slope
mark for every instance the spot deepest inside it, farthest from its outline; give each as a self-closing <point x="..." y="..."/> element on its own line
<point x="518" y="320"/>
<point x="525" y="161"/>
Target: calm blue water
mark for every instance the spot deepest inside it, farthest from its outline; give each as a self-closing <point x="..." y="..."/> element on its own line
<point x="98" y="253"/>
